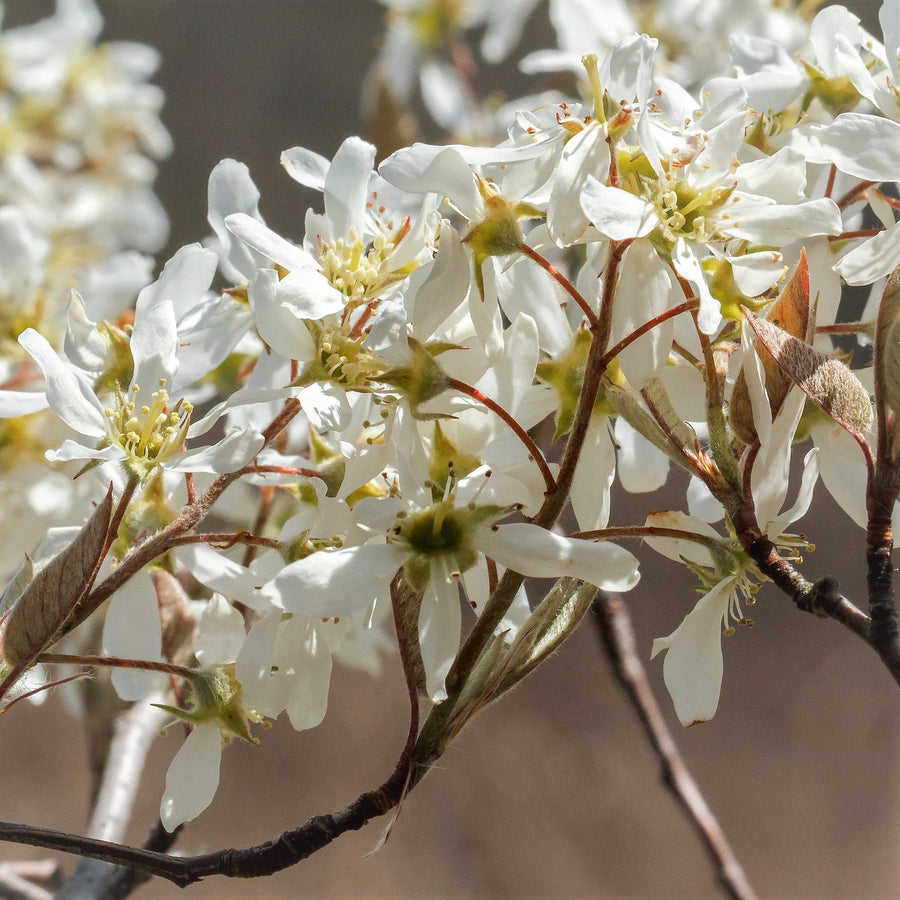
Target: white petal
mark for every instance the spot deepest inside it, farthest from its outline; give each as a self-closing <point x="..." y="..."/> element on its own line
<point x="306" y="167"/>
<point x="265" y="241"/>
<point x="616" y="213"/>
<point x="21" y="403"/>
<point x="69" y="391"/>
<point x="220" y="632"/>
<point x="233" y="452"/>
<point x="193" y="777"/>
<point x="444" y="286"/>
<point x="644" y="279"/>
<point x="305" y="658"/>
<point x="642" y="468"/>
<point x="231" y="190"/>
<point x="536" y="552"/>
<point x="693" y="666"/>
<point x="594" y="475"/>
<point x="773" y="224"/>
<point x="701" y="502"/>
<point x="440" y="620"/>
<point x="864" y="146"/>
<point x="347" y="186"/>
<point x="709" y="316"/>
<point x="326" y="406"/>
<point x="423" y="168"/>
<point x="279" y="326"/>
<point x="132" y="630"/>
<point x="183" y="280"/>
<point x="842" y="469"/>
<point x="338" y="582"/>
<point x="69" y="450"/>
<point x="678" y="548"/>
<point x="585" y="155"/>
<point x="154" y="344"/>
<point x="309" y="293"/>
<point x="804" y="495"/>
<point x="526" y="289"/>
<point x="263" y="687"/>
<point x="872" y="259"/>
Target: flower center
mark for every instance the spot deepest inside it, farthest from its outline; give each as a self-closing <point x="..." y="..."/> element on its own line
<point x="341" y="356"/>
<point x="354" y="269"/>
<point x="687" y="212"/>
<point x="440" y="528"/>
<point x="150" y="433"/>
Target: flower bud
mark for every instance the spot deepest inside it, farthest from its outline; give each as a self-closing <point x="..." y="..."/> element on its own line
<point x="420" y="380"/>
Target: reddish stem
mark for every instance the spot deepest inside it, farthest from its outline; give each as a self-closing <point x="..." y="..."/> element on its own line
<point x="687" y="306"/>
<point x="532" y="448"/>
<point x="860" y="232"/>
<point x="562" y="281"/>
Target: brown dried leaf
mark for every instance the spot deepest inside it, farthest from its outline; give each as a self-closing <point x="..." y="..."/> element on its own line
<point x="55" y="592"/>
<point x="825" y="380"/>
<point x="790" y="312"/>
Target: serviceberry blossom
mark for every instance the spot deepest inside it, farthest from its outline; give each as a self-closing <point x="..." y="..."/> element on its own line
<point x="403" y="426"/>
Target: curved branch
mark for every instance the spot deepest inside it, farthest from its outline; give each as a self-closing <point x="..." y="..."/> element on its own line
<point x="615" y="629"/>
<point x="253" y="862"/>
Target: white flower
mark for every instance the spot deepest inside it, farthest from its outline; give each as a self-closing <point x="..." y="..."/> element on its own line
<point x="693" y="665"/>
<point x="142" y="429"/>
<point x="704" y="198"/>
<point x="434" y="545"/>
<point x="220" y="712"/>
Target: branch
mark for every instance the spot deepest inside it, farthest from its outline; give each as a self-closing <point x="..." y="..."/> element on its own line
<point x="133" y="735"/>
<point x="280" y="853"/>
<point x="615" y="629"/>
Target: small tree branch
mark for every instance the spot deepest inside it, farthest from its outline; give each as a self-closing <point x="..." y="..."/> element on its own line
<point x="133" y="735"/>
<point x="280" y="853"/>
<point x="121" y="881"/>
<point x="615" y="629"/>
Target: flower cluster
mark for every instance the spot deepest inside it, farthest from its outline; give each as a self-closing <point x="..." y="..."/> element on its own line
<point x="426" y="397"/>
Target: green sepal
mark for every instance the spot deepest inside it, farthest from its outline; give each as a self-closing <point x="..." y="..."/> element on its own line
<point x="420" y="380"/>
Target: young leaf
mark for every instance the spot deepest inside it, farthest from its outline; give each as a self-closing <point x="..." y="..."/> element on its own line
<point x="53" y="595"/>
<point x="887" y="357"/>
<point x="825" y="380"/>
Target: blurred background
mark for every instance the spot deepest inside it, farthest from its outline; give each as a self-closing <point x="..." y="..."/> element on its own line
<point x="554" y="792"/>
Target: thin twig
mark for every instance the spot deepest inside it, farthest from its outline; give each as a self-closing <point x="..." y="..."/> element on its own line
<point x="132" y="737"/>
<point x="616" y="632"/>
<point x="253" y="862"/>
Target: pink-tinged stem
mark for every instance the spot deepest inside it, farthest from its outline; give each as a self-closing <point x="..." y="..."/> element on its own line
<point x="562" y="281"/>
<point x="860" y="232"/>
<point x="226" y="539"/>
<point x="521" y="433"/>
<point x="832" y="174"/>
<point x="645" y="531"/>
<point x="116" y="662"/>
<point x="855" y="193"/>
<point x="687" y="306"/>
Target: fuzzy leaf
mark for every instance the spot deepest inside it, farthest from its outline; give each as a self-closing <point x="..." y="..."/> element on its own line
<point x="53" y="596"/>
<point x="825" y="380"/>
<point x="554" y="619"/>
